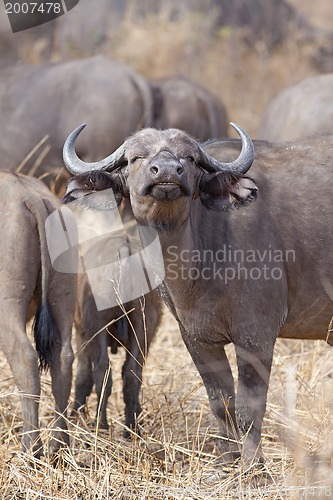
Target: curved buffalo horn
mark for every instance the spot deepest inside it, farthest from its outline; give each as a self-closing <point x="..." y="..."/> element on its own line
<point x="239" y="166"/>
<point x="77" y="166"/>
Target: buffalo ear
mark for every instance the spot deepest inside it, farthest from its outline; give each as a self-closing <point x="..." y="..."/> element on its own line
<point x="95" y="190"/>
<point x="223" y="191"/>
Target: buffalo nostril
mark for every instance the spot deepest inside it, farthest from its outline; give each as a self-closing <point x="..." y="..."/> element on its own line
<point x="180" y="170"/>
<point x="154" y="170"/>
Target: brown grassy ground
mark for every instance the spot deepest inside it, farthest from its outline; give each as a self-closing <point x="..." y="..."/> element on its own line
<point x="176" y="457"/>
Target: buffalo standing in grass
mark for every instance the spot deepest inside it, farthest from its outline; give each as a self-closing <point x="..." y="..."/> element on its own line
<point x="300" y="111"/>
<point x="132" y="329"/>
<point x="28" y="281"/>
<point x="52" y="98"/>
<point x="243" y="276"/>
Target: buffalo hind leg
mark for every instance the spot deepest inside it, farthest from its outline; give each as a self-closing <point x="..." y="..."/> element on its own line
<point x="214" y="368"/>
<point x="61" y="374"/>
<point x="23" y="361"/>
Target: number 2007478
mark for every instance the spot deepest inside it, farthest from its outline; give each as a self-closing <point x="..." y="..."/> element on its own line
<point x="33" y="7"/>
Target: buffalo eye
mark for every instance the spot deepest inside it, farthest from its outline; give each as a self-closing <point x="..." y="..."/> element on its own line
<point x="187" y="158"/>
<point x="136" y="158"/>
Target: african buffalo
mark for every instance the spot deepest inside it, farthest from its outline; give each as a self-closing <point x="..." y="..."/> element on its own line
<point x="133" y="328"/>
<point x="243" y="276"/>
<point x="30" y="284"/>
<point x="52" y="98"/>
<point x="184" y="104"/>
<point x="300" y="111"/>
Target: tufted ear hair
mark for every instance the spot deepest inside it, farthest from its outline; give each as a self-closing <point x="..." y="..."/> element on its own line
<point x="97" y="190"/>
<point x="223" y="191"/>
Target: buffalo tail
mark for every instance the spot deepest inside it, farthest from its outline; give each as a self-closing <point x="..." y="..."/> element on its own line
<point x="44" y="334"/>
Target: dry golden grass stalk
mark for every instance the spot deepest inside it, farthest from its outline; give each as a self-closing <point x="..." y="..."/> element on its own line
<point x="32" y="152"/>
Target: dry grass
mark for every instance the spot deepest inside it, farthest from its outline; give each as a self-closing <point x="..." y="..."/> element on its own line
<point x="176" y="457"/>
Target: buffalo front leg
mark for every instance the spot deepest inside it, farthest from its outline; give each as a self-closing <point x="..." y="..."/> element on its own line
<point x="84" y="381"/>
<point x="93" y="367"/>
<point x="132" y="381"/>
<point x="214" y="368"/>
<point x="136" y="355"/>
<point x="254" y="368"/>
<point x="102" y="376"/>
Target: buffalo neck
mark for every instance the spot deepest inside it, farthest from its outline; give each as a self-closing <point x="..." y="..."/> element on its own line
<point x="190" y="252"/>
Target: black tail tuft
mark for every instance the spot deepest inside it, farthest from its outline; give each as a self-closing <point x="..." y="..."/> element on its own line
<point x="44" y="333"/>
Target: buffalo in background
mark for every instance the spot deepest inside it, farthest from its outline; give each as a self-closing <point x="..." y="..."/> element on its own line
<point x="183" y="104"/>
<point x="101" y="324"/>
<point x="31" y="287"/>
<point x="300" y="111"/>
<point x="133" y="330"/>
<point x="50" y="100"/>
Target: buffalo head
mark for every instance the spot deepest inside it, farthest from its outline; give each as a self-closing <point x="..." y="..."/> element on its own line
<point x="162" y="171"/>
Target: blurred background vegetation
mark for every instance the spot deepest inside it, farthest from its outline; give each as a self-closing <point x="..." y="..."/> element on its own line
<point x="245" y="52"/>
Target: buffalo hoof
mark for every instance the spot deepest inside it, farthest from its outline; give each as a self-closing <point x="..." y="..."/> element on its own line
<point x="58" y="442"/>
<point x="131" y="432"/>
<point x="229" y="452"/>
<point x="34" y="449"/>
<point x="101" y="424"/>
<point x="77" y="412"/>
<point x="252" y="455"/>
<point x="56" y="458"/>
